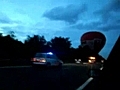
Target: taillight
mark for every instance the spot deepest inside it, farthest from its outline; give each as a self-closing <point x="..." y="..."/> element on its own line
<point x="42" y="60"/>
<point x="33" y="59"/>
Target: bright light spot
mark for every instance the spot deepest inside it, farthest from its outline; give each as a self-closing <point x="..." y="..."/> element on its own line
<point x="91" y="57"/>
<point x="43" y="61"/>
<point x="101" y="68"/>
<point x="102" y="61"/>
<point x="76" y="60"/>
<point x="89" y="61"/>
<point x="50" y="53"/>
<point x="79" y="59"/>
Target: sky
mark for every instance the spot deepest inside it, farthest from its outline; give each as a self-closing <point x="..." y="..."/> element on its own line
<point x="66" y="18"/>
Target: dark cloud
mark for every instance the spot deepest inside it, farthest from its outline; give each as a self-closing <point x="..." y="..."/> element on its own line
<point x="69" y="13"/>
<point x="115" y="6"/>
<point x="87" y="26"/>
<point x="109" y="18"/>
<point x="109" y="27"/>
<point x="97" y="26"/>
<point x="112" y="6"/>
<point x="110" y="9"/>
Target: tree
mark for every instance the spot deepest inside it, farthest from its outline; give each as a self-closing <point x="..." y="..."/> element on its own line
<point x="35" y="44"/>
<point x="11" y="34"/>
<point x="61" y="47"/>
<point x="10" y="48"/>
<point x="61" y="44"/>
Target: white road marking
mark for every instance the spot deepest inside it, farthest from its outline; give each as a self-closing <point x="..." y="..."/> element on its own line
<point x="85" y="84"/>
<point x="15" y="66"/>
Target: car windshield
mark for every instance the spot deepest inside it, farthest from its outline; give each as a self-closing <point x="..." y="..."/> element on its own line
<point x="79" y="33"/>
<point x="51" y="56"/>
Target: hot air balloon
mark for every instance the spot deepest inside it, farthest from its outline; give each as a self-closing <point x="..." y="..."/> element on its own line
<point x="93" y="41"/>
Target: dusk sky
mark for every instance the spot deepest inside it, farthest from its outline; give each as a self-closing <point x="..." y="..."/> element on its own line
<point x="66" y="18"/>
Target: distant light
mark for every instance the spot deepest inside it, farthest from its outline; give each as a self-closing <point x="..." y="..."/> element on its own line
<point x="79" y="59"/>
<point x="50" y="53"/>
<point x="76" y="60"/>
<point x="92" y="58"/>
<point x="89" y="61"/>
<point x="102" y="61"/>
<point x="101" y="68"/>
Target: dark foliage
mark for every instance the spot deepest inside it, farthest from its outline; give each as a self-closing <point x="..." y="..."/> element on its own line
<point x="11" y="48"/>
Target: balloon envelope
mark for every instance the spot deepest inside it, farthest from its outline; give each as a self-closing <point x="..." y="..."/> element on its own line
<point x="94" y="40"/>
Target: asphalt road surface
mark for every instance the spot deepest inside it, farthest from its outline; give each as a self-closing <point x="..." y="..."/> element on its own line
<point x="69" y="77"/>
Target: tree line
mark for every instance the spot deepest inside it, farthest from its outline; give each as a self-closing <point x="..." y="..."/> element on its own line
<point x="13" y="49"/>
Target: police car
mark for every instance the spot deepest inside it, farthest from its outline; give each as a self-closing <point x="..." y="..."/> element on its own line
<point x="46" y="59"/>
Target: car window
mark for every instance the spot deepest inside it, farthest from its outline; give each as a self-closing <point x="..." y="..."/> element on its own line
<point x="51" y="56"/>
<point x="40" y="55"/>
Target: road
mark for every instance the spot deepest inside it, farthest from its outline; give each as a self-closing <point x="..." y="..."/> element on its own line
<point x="69" y="77"/>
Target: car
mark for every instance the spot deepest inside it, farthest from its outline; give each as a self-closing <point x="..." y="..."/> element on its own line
<point x="78" y="61"/>
<point x="46" y="59"/>
<point x="91" y="59"/>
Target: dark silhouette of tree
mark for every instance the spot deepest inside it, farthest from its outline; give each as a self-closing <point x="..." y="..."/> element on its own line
<point x="13" y="49"/>
<point x="10" y="48"/>
<point x="61" y="47"/>
<point x="60" y="44"/>
<point x="11" y="34"/>
<point x="35" y="44"/>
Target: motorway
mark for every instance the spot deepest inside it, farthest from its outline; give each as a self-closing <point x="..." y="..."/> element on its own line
<point x="69" y="77"/>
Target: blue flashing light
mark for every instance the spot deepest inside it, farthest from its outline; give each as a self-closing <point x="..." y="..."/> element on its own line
<point x="50" y="53"/>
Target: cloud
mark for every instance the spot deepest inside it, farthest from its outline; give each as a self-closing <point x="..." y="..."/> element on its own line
<point x="97" y="25"/>
<point x="114" y="5"/>
<point x="86" y="26"/>
<point x="4" y="18"/>
<point x="110" y="10"/>
<point x="108" y="18"/>
<point x="68" y="14"/>
<point x="110" y="27"/>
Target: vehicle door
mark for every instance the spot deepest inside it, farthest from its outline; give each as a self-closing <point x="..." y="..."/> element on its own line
<point x="50" y="59"/>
